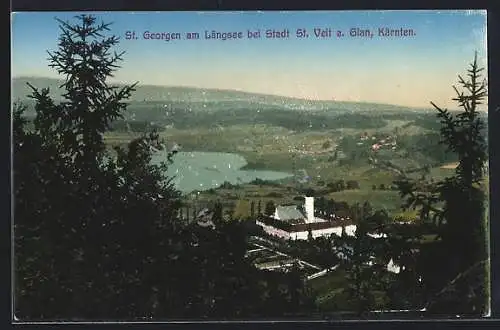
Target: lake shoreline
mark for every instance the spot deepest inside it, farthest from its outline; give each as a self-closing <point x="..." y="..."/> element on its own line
<point x="201" y="171"/>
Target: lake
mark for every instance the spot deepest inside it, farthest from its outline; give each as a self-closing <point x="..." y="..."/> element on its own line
<point x="206" y="170"/>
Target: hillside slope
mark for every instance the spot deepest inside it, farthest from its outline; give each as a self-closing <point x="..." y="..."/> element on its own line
<point x="232" y="98"/>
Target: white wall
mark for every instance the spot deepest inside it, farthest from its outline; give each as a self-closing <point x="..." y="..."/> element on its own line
<point x="350" y="231"/>
<point x="299" y="235"/>
<point x="303" y="235"/>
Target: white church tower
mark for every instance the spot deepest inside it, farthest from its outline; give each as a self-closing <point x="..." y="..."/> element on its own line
<point x="309" y="208"/>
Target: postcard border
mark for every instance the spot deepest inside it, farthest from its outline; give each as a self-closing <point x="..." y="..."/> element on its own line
<point x="493" y="121"/>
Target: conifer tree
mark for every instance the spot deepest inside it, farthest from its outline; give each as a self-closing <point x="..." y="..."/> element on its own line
<point x="88" y="224"/>
<point x="454" y="266"/>
<point x="270" y="208"/>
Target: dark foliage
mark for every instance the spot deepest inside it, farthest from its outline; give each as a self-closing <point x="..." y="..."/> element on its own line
<point x="97" y="235"/>
<point x="270" y="208"/>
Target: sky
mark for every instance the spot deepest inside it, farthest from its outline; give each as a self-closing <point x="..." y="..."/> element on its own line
<point x="410" y="71"/>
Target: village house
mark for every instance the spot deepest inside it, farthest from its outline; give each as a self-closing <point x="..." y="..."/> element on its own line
<point x="389" y="141"/>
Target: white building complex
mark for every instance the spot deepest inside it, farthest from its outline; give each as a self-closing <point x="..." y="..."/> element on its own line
<point x="290" y="222"/>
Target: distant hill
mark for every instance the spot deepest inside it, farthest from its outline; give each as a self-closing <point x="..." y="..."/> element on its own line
<point x="196" y="108"/>
<point x="200" y="98"/>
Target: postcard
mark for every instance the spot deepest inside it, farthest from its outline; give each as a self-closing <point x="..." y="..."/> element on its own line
<point x="195" y="166"/>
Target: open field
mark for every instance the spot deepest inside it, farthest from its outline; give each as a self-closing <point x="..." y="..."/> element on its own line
<point x="379" y="199"/>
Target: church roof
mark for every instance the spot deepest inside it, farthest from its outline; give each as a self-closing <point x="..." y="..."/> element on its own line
<point x="288" y="213"/>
